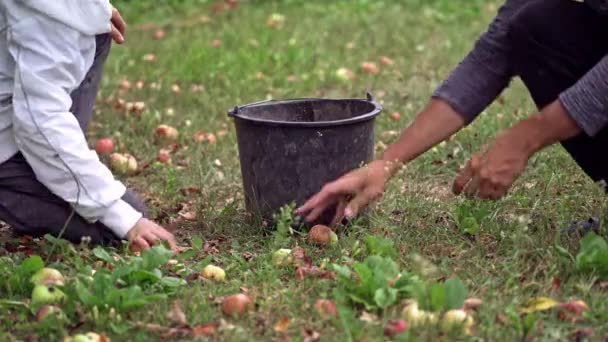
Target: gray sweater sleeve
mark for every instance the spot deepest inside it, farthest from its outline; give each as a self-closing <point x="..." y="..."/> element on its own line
<point x="485" y="72"/>
<point x="587" y="100"/>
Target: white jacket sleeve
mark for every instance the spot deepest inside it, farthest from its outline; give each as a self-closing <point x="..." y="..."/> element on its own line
<point x="52" y="59"/>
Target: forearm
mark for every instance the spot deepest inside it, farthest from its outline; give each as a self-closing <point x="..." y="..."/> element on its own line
<point x="547" y="127"/>
<point x="434" y="124"/>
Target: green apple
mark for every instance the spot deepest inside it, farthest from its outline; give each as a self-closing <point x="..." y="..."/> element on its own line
<point x="453" y="319"/>
<point x="282" y="257"/>
<point x="46" y="294"/>
<point x="48" y="276"/>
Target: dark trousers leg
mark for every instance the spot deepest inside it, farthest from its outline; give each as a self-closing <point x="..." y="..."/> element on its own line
<point x="554" y="44"/>
<point x="28" y="206"/>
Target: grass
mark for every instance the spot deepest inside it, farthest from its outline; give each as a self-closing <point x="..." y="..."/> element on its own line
<point x="510" y="260"/>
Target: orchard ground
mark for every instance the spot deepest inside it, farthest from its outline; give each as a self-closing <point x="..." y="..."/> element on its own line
<point x="202" y="64"/>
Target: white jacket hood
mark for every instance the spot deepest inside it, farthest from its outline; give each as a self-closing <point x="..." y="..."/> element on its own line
<point x="90" y="17"/>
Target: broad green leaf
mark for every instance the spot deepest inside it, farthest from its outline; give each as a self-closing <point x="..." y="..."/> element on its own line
<point x="197" y="243"/>
<point x="342" y="271"/>
<point x="31" y="265"/>
<point x="438" y="297"/>
<point x="385" y="297"/>
<point x="102" y="254"/>
<point x="172" y="282"/>
<point x="380" y="246"/>
<point x="85" y="296"/>
<point x="455" y="293"/>
<point x="593" y="255"/>
<point x="155" y="257"/>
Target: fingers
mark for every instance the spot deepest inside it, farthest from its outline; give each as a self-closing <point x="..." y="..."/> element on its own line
<point x="466" y="175"/>
<point x="329" y="195"/>
<point x="139" y="244"/>
<point x="339" y="212"/>
<point x="117" y="36"/>
<point x="361" y="201"/>
<point x="118" y="21"/>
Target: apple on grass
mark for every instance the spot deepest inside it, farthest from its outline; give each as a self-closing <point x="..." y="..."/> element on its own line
<point x="322" y="235"/>
<point x="213" y="272"/>
<point x="48" y="276"/>
<point x="237" y="305"/>
<point x="46" y="294"/>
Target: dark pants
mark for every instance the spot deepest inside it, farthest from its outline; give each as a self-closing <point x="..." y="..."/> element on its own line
<point x="28" y="206"/>
<point x="554" y="44"/>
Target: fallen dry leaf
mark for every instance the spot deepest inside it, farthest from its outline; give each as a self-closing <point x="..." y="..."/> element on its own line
<point x="311" y="335"/>
<point x="205" y="330"/>
<point x="176" y="315"/>
<point x="368" y="317"/>
<point x="386" y="61"/>
<point x="583" y="334"/>
<point x="282" y="325"/>
<point x="538" y="304"/>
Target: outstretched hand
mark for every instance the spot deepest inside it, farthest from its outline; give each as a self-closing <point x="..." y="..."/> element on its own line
<point x="350" y="193"/>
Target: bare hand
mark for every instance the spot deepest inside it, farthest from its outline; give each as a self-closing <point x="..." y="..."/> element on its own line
<point x="119" y="27"/>
<point x="363" y="185"/>
<point x="147" y="233"/>
<point x="490" y="175"/>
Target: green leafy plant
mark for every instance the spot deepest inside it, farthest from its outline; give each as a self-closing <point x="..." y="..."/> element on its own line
<point x="593" y="255"/>
<point x="284" y="221"/>
<point x="18" y="276"/>
<point x="378" y="245"/>
<point x="375" y="283"/>
<point x="470" y="215"/>
<point x="129" y="284"/>
<point x="448" y="295"/>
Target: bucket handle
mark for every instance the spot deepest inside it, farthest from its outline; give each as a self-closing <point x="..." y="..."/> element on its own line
<point x="235" y="110"/>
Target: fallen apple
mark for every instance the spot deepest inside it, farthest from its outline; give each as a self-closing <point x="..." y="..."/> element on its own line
<point x="454" y="319"/>
<point x="395" y="327"/>
<point x="104" y="146"/>
<point x="123" y="163"/>
<point x="216" y="43"/>
<point x="282" y="257"/>
<point x="370" y="68"/>
<point x="125" y="85"/>
<point x="472" y="304"/>
<point x="275" y="21"/>
<point x="213" y="273"/>
<point x="345" y="74"/>
<point x="46" y="294"/>
<point x="164" y="157"/>
<point x="165" y="132"/>
<point x="159" y="34"/>
<point x="396" y="116"/>
<point x="326" y="308"/>
<point x="417" y="317"/>
<point x="48" y="276"/>
<point x="236" y="305"/>
<point x="386" y="61"/>
<point x="47" y="311"/>
<point x="322" y="235"/>
<point x="88" y="337"/>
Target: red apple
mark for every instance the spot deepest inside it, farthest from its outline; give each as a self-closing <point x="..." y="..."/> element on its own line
<point x="104" y="146"/>
<point x="165" y="132"/>
<point x="236" y="305"/>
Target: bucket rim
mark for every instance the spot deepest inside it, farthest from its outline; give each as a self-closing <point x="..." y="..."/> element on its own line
<point x="234" y="113"/>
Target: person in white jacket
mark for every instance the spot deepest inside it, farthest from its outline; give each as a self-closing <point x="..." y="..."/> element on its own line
<point x="51" y="56"/>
